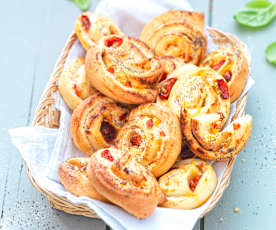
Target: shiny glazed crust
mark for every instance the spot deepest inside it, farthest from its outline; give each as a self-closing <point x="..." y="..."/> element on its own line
<point x="73" y="84"/>
<point x="96" y="122"/>
<point x="177" y="33"/>
<point x="124" y="181"/>
<point x="124" y="69"/>
<point x="235" y="55"/>
<point x="153" y="136"/>
<point x="90" y="28"/>
<point x="73" y="175"/>
<point x="189" y="184"/>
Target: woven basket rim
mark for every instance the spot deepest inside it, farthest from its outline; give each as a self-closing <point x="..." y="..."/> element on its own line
<point x="46" y="116"/>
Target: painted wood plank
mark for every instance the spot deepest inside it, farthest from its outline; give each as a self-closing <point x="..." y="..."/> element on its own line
<point x="35" y="29"/>
<point x="252" y="189"/>
<point x="15" y="48"/>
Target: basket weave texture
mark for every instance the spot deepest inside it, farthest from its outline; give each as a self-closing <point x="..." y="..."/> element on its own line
<point x="47" y="115"/>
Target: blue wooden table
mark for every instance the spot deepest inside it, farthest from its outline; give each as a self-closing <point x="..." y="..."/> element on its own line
<point x="33" y="34"/>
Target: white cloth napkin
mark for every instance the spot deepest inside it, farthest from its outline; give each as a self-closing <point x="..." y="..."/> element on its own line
<point x="44" y="149"/>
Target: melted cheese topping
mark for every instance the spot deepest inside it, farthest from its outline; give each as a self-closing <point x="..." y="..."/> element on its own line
<point x="189" y="184"/>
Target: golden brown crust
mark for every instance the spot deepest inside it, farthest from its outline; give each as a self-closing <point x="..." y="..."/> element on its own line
<point x="218" y="146"/>
<point x="73" y="175"/>
<point x="200" y="96"/>
<point x="177" y="33"/>
<point x="124" y="69"/>
<point x="231" y="60"/>
<point x="73" y="84"/>
<point x="194" y="88"/>
<point x="124" y="181"/>
<point x="96" y="122"/>
<point x="189" y="184"/>
<point x="153" y="136"/>
<point x="90" y="28"/>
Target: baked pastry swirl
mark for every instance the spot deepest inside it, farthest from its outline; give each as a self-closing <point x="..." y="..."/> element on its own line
<point x="73" y="175"/>
<point x="124" y="181"/>
<point x="153" y="136"/>
<point x="189" y="184"/>
<point x="201" y="97"/>
<point x="177" y="33"/>
<point x="230" y="60"/>
<point x="124" y="69"/>
<point x="90" y="28"/>
<point x="73" y="84"/>
<point x="201" y="90"/>
<point x="96" y="122"/>
<point x="206" y="137"/>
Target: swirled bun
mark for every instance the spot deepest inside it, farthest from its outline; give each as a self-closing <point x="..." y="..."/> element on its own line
<point x="231" y="60"/>
<point x="200" y="96"/>
<point x="96" y="122"/>
<point x="153" y="136"/>
<point x="201" y="90"/>
<point x="73" y="85"/>
<point x="124" y="69"/>
<point x="73" y="175"/>
<point x="189" y="184"/>
<point x="177" y="33"/>
<point x="90" y="28"/>
<point x="207" y="139"/>
<point x="124" y="181"/>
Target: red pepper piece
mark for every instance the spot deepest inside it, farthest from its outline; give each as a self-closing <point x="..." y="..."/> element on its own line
<point x="194" y="182"/>
<point x="162" y="134"/>
<point x="136" y="139"/>
<point x="215" y="125"/>
<point x="77" y="91"/>
<point x="128" y="84"/>
<point x="227" y="76"/>
<point x="150" y="123"/>
<point x="223" y="87"/>
<point x="217" y="66"/>
<point x="164" y="77"/>
<point x="113" y="41"/>
<point x="123" y="116"/>
<point x="107" y="155"/>
<point x="85" y="22"/>
<point x="236" y="126"/>
<point x="166" y="87"/>
<point x="111" y="69"/>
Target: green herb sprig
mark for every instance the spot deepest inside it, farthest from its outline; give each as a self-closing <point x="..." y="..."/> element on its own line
<point x="82" y="4"/>
<point x="270" y="53"/>
<point x="256" y="13"/>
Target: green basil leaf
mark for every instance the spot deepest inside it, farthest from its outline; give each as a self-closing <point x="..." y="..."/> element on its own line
<point x="270" y="53"/>
<point x="82" y="4"/>
<point x="256" y="13"/>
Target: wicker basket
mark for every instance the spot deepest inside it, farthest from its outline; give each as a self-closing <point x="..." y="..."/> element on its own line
<point x="47" y="115"/>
